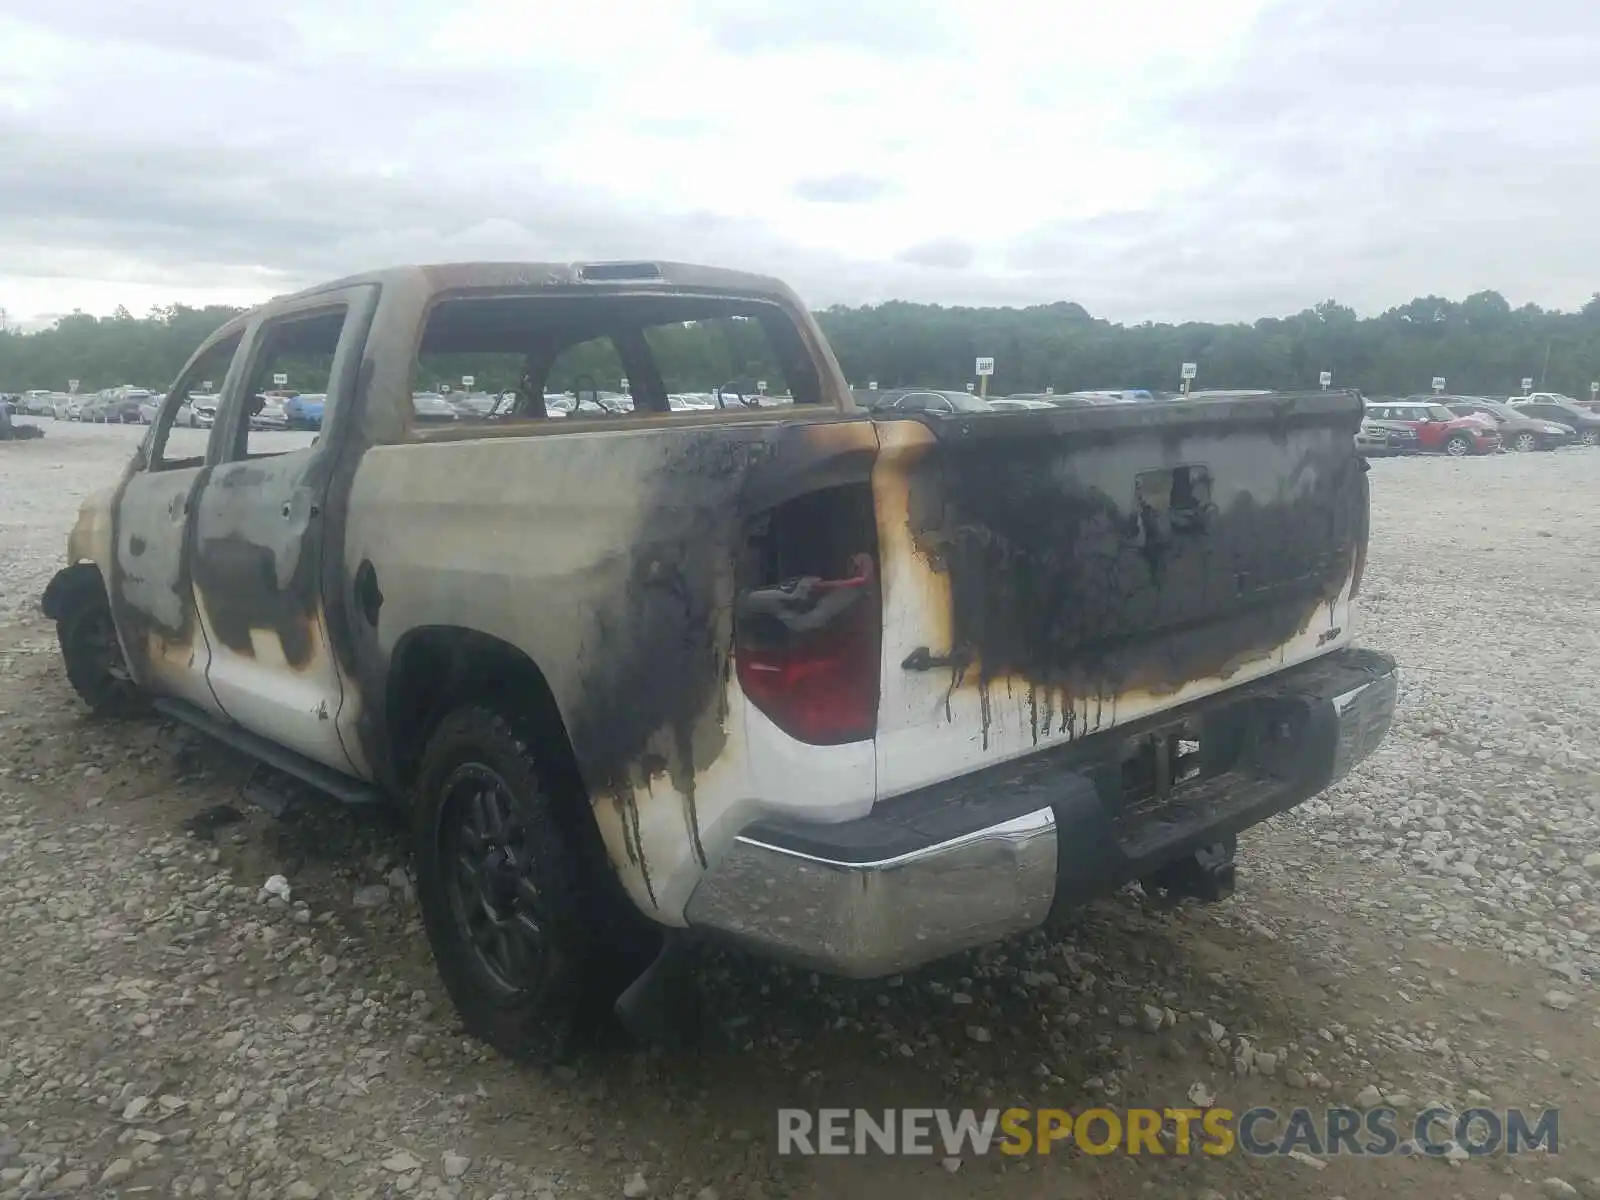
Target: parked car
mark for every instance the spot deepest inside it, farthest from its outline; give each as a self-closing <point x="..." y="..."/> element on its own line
<point x="1563" y="412"/>
<point x="38" y="404"/>
<point x="269" y="413"/>
<point x="183" y="418"/>
<point x="929" y="400"/>
<point x="1438" y="429"/>
<point x="93" y="408"/>
<point x="1518" y="431"/>
<point x="431" y="406"/>
<point x="203" y="408"/>
<point x="853" y="690"/>
<point x="1385" y="437"/>
<point x="1017" y="404"/>
<point x="70" y="410"/>
<point x="305" y="410"/>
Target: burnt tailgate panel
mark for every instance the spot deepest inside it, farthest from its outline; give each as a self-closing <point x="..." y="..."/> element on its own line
<point x="1103" y="551"/>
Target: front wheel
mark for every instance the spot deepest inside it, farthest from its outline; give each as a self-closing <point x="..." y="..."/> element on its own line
<point x="532" y="946"/>
<point x="1590" y="437"/>
<point x="93" y="656"/>
<point x="1459" y="446"/>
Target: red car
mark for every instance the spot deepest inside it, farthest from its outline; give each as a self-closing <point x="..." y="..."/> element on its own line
<point x="1440" y="431"/>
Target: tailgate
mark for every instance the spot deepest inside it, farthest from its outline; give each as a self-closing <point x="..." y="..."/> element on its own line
<point x="1052" y="574"/>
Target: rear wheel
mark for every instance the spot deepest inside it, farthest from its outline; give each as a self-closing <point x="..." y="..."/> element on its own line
<point x="1590" y="437"/>
<point x="532" y="946"/>
<point x="93" y="656"/>
<point x="1525" y="442"/>
<point x="1458" y="446"/>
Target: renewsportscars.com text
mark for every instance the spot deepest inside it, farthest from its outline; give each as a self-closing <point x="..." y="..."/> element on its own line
<point x="1380" y="1132"/>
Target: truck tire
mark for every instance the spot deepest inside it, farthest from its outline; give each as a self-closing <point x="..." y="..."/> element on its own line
<point x="529" y="941"/>
<point x="93" y="656"/>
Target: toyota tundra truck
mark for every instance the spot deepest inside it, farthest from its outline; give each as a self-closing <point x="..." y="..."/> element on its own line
<point x="854" y="690"/>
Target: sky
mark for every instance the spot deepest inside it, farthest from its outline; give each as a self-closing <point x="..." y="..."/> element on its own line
<point x="1150" y="159"/>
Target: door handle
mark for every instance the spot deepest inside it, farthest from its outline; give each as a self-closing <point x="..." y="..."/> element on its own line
<point x="923" y="659"/>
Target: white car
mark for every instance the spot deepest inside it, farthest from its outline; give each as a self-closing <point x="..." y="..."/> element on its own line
<point x="203" y="410"/>
<point x="1014" y="404"/>
<point x="184" y="418"/>
<point x="270" y="415"/>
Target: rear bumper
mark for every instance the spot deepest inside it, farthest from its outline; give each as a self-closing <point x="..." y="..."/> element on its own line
<point x="977" y="858"/>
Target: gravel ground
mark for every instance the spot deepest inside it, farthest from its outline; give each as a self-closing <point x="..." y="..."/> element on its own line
<point x="1427" y="931"/>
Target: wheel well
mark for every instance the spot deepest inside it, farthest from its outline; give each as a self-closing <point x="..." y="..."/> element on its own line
<point x="438" y="669"/>
<point x="70" y="588"/>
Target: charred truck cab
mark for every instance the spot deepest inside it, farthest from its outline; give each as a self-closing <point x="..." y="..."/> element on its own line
<point x="856" y="690"/>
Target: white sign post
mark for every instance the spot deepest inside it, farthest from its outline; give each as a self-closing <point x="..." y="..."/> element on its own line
<point x="72" y="386"/>
<point x="1325" y="379"/>
<point x="1594" y="387"/>
<point x="1527" y="384"/>
<point x="983" y="368"/>
<point x="1189" y="371"/>
<point x="468" y="380"/>
<point x="206" y="386"/>
<point x="624" y="388"/>
<point x="280" y="380"/>
<point x="1050" y="391"/>
<point x="872" y="385"/>
<point x="761" y="386"/>
<point x="972" y="387"/>
<point x="1438" y="383"/>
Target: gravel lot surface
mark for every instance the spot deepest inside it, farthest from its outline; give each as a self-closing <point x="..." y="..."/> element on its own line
<point x="1427" y="931"/>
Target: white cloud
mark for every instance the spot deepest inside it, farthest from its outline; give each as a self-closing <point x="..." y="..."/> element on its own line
<point x="1150" y="159"/>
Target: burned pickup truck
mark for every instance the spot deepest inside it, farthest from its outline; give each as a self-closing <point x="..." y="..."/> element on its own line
<point x="854" y="690"/>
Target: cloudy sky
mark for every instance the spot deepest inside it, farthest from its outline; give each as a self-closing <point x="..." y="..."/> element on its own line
<point x="1151" y="159"/>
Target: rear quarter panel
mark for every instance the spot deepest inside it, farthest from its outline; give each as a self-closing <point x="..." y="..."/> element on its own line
<point x="607" y="556"/>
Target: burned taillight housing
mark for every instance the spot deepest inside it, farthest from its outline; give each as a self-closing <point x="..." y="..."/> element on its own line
<point x="807" y="655"/>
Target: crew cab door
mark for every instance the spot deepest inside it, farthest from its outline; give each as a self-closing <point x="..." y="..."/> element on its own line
<point x="152" y="600"/>
<point x="260" y="526"/>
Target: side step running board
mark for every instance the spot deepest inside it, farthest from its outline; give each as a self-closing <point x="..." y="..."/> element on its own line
<point x="324" y="779"/>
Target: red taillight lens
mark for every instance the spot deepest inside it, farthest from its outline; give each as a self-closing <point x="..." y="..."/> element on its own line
<point x="816" y="682"/>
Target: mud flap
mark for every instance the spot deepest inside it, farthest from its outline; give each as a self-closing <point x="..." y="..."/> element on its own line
<point x="661" y="1007"/>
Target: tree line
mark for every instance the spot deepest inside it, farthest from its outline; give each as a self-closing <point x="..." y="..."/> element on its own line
<point x="1479" y="345"/>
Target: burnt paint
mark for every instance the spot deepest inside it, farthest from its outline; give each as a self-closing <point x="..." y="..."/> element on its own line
<point x="143" y="501"/>
<point x="238" y="580"/>
<point x="1058" y="578"/>
<point x="257" y="563"/>
<point x="653" y="689"/>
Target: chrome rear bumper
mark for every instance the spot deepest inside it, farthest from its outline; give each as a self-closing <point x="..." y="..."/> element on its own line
<point x="973" y="860"/>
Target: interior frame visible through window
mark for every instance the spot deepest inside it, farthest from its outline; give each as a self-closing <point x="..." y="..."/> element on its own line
<point x="540" y="326"/>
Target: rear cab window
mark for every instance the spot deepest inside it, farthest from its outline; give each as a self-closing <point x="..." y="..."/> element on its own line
<point x="597" y="359"/>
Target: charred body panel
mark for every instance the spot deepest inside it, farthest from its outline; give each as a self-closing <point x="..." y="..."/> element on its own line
<point x="254" y="567"/>
<point x="1102" y="560"/>
<point x="150" y="583"/>
<point x="1049" y="575"/>
<point x="612" y="561"/>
